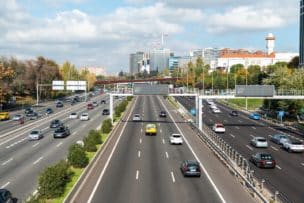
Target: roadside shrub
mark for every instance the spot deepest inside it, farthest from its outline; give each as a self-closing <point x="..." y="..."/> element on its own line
<point x="89" y="144"/>
<point x="53" y="179"/>
<point x="117" y="111"/>
<point x="129" y="98"/>
<point x="95" y="136"/>
<point x="106" y="126"/>
<point x="77" y="156"/>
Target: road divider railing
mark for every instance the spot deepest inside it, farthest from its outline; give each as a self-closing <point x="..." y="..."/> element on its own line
<point x="232" y="159"/>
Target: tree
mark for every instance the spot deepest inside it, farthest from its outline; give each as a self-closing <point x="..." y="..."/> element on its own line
<point x="106" y="126"/>
<point x="294" y="63"/>
<point x="6" y="76"/>
<point x="69" y="72"/>
<point x="77" y="156"/>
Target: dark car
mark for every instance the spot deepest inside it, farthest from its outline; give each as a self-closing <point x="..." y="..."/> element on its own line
<point x="33" y="115"/>
<point x="106" y="112"/>
<point x="59" y="104"/>
<point x="233" y="113"/>
<point x="162" y="114"/>
<point x="48" y="111"/>
<point x="28" y="110"/>
<point x="191" y="168"/>
<point x="73" y="102"/>
<point x="56" y="124"/>
<point x="61" y="132"/>
<point x="5" y="196"/>
<point x="263" y="160"/>
<point x="103" y="101"/>
<point x="76" y="98"/>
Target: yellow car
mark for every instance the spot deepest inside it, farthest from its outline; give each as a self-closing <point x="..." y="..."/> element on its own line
<point x="151" y="129"/>
<point x="4" y="116"/>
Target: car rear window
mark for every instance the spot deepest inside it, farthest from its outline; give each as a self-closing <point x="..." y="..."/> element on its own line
<point x="176" y="136"/>
<point x="34" y="132"/>
<point x="295" y="142"/>
<point x="261" y="139"/>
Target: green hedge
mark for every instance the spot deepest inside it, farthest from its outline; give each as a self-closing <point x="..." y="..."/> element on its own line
<point x="77" y="156"/>
<point x="106" y="126"/>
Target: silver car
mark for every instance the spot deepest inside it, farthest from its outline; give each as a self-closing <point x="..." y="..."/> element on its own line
<point x="259" y="142"/>
<point x="35" y="135"/>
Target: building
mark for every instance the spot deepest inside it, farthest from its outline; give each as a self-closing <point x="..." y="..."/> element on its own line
<point x="301" y="51"/>
<point x="136" y="62"/>
<point x="173" y="63"/>
<point x="96" y="70"/>
<point x="228" y="57"/>
<point x="159" y="59"/>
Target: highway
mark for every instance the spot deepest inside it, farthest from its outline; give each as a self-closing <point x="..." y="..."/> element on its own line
<point x="137" y="168"/>
<point x="22" y="160"/>
<point x="287" y="177"/>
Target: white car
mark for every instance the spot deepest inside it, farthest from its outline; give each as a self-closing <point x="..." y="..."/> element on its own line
<point x="259" y="142"/>
<point x="95" y="103"/>
<point x="176" y="139"/>
<point x="17" y="117"/>
<point x="84" y="117"/>
<point x="218" y="128"/>
<point x="213" y="106"/>
<point x="216" y="110"/>
<point x="210" y="102"/>
<point x="35" y="135"/>
<point x="293" y="146"/>
<point x="73" y="115"/>
<point x="136" y="117"/>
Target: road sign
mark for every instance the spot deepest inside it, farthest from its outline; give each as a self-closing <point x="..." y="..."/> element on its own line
<point x="76" y="85"/>
<point x="254" y="90"/>
<point x="57" y="85"/>
<point x="150" y="89"/>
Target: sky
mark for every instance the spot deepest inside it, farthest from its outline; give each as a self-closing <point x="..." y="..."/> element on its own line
<point x="103" y="33"/>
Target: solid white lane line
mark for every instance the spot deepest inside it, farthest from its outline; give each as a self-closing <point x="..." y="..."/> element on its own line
<point x="38" y="160"/>
<point x="167" y="155"/>
<point x="58" y="145"/>
<point x="138" y="154"/>
<point x="140" y="140"/>
<point x="232" y="135"/>
<point x="249" y="147"/>
<point x="278" y="167"/>
<point x="137" y="174"/>
<point x="6" y="162"/>
<point x="254" y="128"/>
<point x="163" y="141"/>
<point x="237" y="127"/>
<point x="196" y="157"/>
<point x="34" y="145"/>
<point x="5" y="185"/>
<point x="172" y="176"/>
<point x="275" y="149"/>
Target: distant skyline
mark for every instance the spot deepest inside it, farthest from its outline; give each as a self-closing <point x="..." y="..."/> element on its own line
<point x="104" y="33"/>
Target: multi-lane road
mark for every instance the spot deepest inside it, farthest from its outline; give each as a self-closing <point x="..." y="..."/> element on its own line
<point x="21" y="160"/>
<point x="134" y="167"/>
<point x="287" y="177"/>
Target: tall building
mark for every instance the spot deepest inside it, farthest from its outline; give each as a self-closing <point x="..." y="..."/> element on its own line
<point x="302" y="33"/>
<point x="159" y="59"/>
<point x="207" y="54"/>
<point x="173" y="63"/>
<point x="136" y="62"/>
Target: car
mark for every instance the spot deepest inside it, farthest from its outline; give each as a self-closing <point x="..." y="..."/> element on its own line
<point x="279" y="138"/>
<point x="151" y="129"/>
<point x="61" y="132"/>
<point x="33" y="115"/>
<point x="73" y="102"/>
<point x="163" y="114"/>
<point x="255" y="116"/>
<point x="6" y="196"/>
<point x="218" y="128"/>
<point x="213" y="106"/>
<point x="17" y="117"/>
<point x="216" y="110"/>
<point x="210" y="102"/>
<point x="84" y="117"/>
<point x="293" y="146"/>
<point x="190" y="168"/>
<point x="35" y="135"/>
<point x="56" y="124"/>
<point x="233" y="113"/>
<point x="73" y="115"/>
<point x="103" y="101"/>
<point x="259" y="142"/>
<point x="28" y="110"/>
<point x="48" y="111"/>
<point x="176" y="139"/>
<point x="95" y="103"/>
<point x="77" y="99"/>
<point x="105" y="112"/>
<point x="4" y="116"/>
<point x="59" y="104"/>
<point x="263" y="160"/>
<point x="90" y="106"/>
<point x="136" y="117"/>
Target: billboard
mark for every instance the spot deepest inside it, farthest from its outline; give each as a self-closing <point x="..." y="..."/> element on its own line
<point x="76" y="85"/>
<point x="254" y="90"/>
<point x="57" y="85"/>
<point x="150" y="89"/>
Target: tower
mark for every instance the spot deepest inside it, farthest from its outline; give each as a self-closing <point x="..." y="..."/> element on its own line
<point x="270" y="39"/>
<point x="301" y="51"/>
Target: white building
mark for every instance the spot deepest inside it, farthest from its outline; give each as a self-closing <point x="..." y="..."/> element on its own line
<point x="159" y="59"/>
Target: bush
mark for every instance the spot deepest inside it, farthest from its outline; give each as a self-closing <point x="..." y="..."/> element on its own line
<point x="77" y="156"/>
<point x="89" y="144"/>
<point x="106" y="126"/>
<point x="52" y="180"/>
<point x="129" y="98"/>
<point x="118" y="111"/>
<point x="95" y="136"/>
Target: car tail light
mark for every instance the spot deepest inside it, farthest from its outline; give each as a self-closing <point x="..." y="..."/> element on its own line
<point x="263" y="162"/>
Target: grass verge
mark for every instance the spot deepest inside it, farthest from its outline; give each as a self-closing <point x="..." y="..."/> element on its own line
<point x="253" y="104"/>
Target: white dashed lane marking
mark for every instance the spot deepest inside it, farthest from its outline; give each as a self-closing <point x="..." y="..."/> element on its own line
<point x="138" y="154"/>
<point x="137" y="174"/>
<point x="278" y="167"/>
<point x="249" y="147"/>
<point x="232" y="135"/>
<point x="253" y="127"/>
<point x="237" y="127"/>
<point x="172" y="176"/>
<point x="302" y="164"/>
<point x="167" y="155"/>
<point x="252" y="136"/>
<point x="275" y="149"/>
<point x="38" y="160"/>
<point x="6" y="162"/>
<point x="5" y="185"/>
<point x="34" y="145"/>
<point x="163" y="141"/>
<point x="140" y="140"/>
<point x="58" y="145"/>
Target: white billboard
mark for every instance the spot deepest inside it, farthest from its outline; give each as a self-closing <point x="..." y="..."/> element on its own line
<point x="57" y="85"/>
<point x="76" y="85"/>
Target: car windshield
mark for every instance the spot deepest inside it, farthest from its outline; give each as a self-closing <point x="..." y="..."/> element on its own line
<point x="73" y="114"/>
<point x="34" y="132"/>
<point x="266" y="157"/>
<point x="295" y="142"/>
<point x="85" y="114"/>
